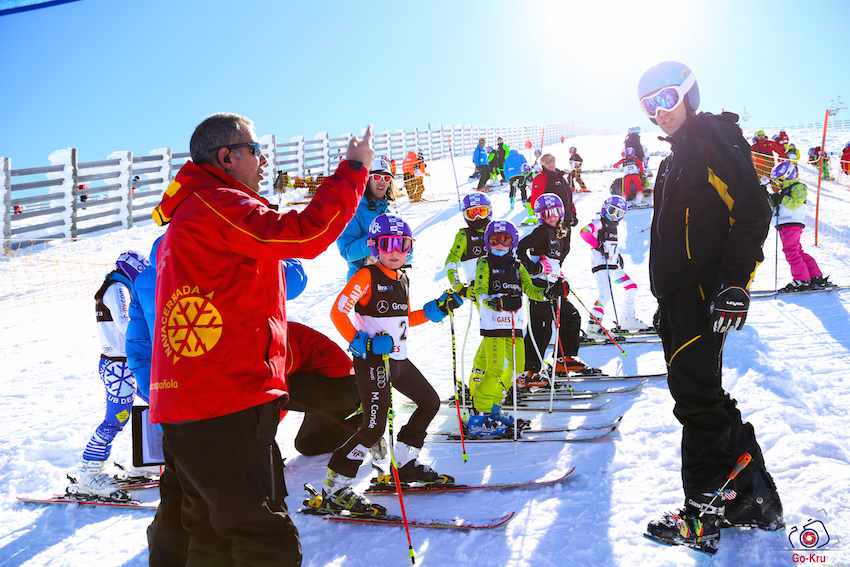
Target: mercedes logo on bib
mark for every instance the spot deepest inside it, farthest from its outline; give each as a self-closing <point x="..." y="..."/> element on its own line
<point x="383" y="306"/>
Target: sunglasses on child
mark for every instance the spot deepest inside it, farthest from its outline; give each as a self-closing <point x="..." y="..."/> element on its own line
<point x="668" y="98"/>
<point x="380" y="177"/>
<point x="389" y="243"/>
<point x="500" y="239"/>
<point x="476" y="212"/>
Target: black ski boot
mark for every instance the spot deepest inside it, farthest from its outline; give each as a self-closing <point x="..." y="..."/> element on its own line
<point x="410" y="470"/>
<point x="697" y="525"/>
<point x="756" y="507"/>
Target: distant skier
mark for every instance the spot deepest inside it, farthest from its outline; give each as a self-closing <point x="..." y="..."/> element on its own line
<point x="575" y="170"/>
<point x="518" y="172"/>
<point x="112" y="305"/>
<point x="481" y="159"/>
<point x="632" y="172"/>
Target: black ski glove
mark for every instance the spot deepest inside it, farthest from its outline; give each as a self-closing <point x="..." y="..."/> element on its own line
<point x="775" y="199"/>
<point x="505" y="303"/>
<point x="557" y="289"/>
<point x="728" y="308"/>
<point x="620" y="261"/>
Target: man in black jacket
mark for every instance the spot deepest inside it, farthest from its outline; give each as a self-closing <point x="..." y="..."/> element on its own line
<point x="711" y="218"/>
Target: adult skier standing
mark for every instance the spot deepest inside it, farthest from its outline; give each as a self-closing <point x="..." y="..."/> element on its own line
<point x="700" y="269"/>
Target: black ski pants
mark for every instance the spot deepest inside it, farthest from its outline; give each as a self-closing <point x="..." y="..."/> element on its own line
<point x="231" y="474"/>
<point x="326" y="403"/>
<point x="713" y="433"/>
<point x="540" y="330"/>
<point x="374" y="387"/>
<point x="484" y="175"/>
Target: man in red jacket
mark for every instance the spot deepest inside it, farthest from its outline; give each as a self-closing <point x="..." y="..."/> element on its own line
<point x="218" y="376"/>
<point x="763" y="150"/>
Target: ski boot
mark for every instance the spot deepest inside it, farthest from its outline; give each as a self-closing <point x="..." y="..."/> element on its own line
<point x="756" y="507"/>
<point x="410" y="470"/>
<point x="574" y="365"/>
<point x="93" y="482"/>
<point x="821" y="282"/>
<point x="796" y="285"/>
<point x="696" y="525"/>
<point x="338" y="498"/>
<point x="595" y="332"/>
<point x="632" y="325"/>
<point x="531" y="379"/>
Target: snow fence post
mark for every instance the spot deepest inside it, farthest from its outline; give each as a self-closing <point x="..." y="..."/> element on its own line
<point x="6" y="177"/>
<point x="268" y="145"/>
<point x="125" y="179"/>
<point x="299" y="155"/>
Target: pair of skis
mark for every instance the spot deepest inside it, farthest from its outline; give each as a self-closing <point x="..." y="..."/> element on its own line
<point x="380" y="489"/>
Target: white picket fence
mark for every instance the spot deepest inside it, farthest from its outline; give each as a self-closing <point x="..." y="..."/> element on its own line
<point x="50" y="204"/>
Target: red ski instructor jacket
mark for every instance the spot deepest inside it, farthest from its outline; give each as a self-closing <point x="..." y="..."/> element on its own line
<point x="220" y="344"/>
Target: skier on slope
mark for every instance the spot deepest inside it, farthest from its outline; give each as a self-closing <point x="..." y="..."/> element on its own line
<point x="112" y="304"/>
<point x="379" y="297"/>
<point x="608" y="268"/>
<point x="632" y="175"/>
<point x="710" y="221"/>
<point x="575" y="170"/>
<point x="518" y="173"/>
<point x="467" y="248"/>
<point x="789" y="202"/>
<point x="542" y="253"/>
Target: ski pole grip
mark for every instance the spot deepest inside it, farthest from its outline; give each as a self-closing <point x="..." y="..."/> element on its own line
<point x="743" y="461"/>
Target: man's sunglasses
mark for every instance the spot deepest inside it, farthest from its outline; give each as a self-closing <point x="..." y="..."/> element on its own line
<point x="253" y="147"/>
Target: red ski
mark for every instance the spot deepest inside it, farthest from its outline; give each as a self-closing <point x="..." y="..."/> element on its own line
<point x="63" y="499"/>
<point x="378" y="488"/>
<point x="453" y="524"/>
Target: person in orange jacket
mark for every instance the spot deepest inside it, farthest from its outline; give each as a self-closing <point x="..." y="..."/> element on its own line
<point x="413" y="183"/>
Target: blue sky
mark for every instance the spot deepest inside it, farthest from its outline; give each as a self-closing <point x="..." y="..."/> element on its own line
<point x="107" y="75"/>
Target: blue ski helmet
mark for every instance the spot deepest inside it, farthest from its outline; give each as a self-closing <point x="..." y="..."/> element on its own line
<point x="131" y="264"/>
<point x="669" y="74"/>
<point x="630" y="152"/>
<point x="499" y="227"/>
<point x="572" y="149"/>
<point x="784" y="171"/>
<point x="614" y="208"/>
<point x="548" y="204"/>
<point x="387" y="224"/>
<point x="525" y="168"/>
<point x="537" y="153"/>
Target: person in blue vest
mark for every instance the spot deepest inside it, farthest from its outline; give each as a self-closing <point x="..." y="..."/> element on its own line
<point x="481" y="159"/>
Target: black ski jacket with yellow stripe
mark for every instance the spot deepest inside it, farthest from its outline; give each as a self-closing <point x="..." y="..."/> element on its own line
<point x="711" y="214"/>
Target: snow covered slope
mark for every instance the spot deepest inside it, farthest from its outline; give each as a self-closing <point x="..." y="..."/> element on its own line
<point x="788" y="368"/>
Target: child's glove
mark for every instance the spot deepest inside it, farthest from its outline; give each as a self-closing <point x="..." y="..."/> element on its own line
<point x="437" y="309"/>
<point x="775" y="199"/>
<point x="505" y="303"/>
<point x="558" y="289"/>
<point x="545" y="265"/>
<point x="362" y="345"/>
<point x="620" y="260"/>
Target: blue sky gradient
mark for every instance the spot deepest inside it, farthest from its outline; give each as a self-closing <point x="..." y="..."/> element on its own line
<point x="105" y="75"/>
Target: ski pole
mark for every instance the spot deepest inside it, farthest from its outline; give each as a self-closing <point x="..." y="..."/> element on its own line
<point x="598" y="322"/>
<point x="776" y="262"/>
<point x="611" y="291"/>
<point x="454" y="371"/>
<point x="561" y="345"/>
<point x="393" y="464"/>
<point x="742" y="463"/>
<point x="452" y="156"/>
<point x="513" y="376"/>
<point x="463" y="354"/>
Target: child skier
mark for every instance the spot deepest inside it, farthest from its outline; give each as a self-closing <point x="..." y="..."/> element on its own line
<point x="499" y="284"/>
<point x="575" y="171"/>
<point x="112" y="304"/>
<point x="518" y="173"/>
<point x="632" y="172"/>
<point x="378" y="294"/>
<point x="542" y="253"/>
<point x="601" y="235"/>
<point x="788" y="204"/>
<point x="467" y="248"/>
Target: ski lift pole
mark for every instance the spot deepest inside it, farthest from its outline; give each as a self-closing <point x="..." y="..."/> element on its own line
<point x="393" y="464"/>
<point x="452" y="157"/>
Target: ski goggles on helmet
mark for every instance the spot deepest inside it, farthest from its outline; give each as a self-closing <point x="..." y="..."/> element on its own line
<point x="382" y="177"/>
<point x="668" y="98"/>
<point x="614" y="212"/>
<point x="553" y="212"/>
<point x="500" y="239"/>
<point x="389" y="243"/>
<point x="476" y="212"/>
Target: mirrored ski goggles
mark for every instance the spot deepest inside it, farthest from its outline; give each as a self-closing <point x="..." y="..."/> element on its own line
<point x="476" y="212"/>
<point x="382" y="177"/>
<point x="553" y="212"/>
<point x="500" y="239"/>
<point x="668" y="98"/>
<point x="614" y="212"/>
<point x="389" y="243"/>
